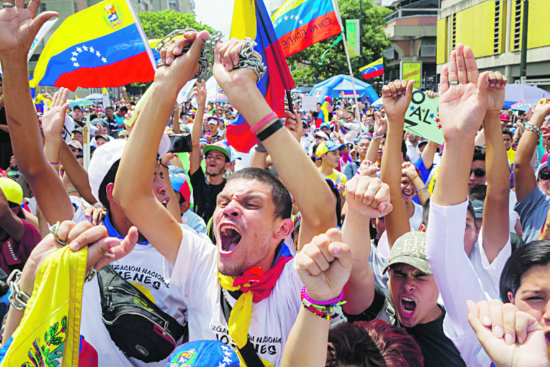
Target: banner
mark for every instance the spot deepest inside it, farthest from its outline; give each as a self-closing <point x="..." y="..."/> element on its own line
<point x="412" y="71"/>
<point x="422" y="117"/>
<point x="353" y="37"/>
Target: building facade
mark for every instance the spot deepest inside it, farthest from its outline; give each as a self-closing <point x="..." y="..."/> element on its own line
<point x="494" y="30"/>
<point x="412" y="31"/>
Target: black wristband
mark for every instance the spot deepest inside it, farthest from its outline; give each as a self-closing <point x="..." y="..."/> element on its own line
<point x="270" y="130"/>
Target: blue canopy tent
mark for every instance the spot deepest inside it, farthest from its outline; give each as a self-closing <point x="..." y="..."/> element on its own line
<point x="519" y="92"/>
<point x="340" y="86"/>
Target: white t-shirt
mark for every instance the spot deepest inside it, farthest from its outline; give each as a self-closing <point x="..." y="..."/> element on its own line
<point x="459" y="278"/>
<point x="195" y="275"/>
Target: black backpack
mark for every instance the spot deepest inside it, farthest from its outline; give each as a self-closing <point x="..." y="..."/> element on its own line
<point x="136" y="325"/>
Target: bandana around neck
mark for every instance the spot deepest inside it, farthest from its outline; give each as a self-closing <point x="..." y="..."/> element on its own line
<point x="255" y="285"/>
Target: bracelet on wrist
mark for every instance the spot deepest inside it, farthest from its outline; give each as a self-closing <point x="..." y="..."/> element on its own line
<point x="533" y="128"/>
<point x="413" y="177"/>
<point x="377" y="137"/>
<point x="422" y="188"/>
<point x="54" y="164"/>
<point x="17" y="297"/>
<point x="164" y="165"/>
<point x="325" y="309"/>
<point x="254" y="129"/>
<point x="270" y="130"/>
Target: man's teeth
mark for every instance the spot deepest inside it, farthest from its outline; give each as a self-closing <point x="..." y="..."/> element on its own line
<point x="228" y="227"/>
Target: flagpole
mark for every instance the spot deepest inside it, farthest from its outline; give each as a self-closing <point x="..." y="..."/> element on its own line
<point x="337" y="9"/>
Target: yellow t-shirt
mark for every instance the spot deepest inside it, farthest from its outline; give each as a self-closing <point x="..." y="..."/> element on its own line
<point x="511" y="155"/>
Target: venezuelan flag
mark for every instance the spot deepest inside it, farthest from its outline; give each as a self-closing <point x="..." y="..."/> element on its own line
<point x="100" y="46"/>
<point x="373" y="69"/>
<point x="323" y="114"/>
<point x="250" y="19"/>
<point x="301" y="23"/>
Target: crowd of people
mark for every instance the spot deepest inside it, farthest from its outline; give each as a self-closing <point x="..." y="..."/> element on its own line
<point x="334" y="242"/>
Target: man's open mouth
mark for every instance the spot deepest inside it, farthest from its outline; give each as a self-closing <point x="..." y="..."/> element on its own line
<point x="408" y="306"/>
<point x="547" y="336"/>
<point x="230" y="237"/>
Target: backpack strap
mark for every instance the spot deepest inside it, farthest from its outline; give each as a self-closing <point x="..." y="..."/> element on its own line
<point x="247" y="352"/>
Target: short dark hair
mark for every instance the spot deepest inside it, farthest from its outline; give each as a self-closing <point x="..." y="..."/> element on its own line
<point x="281" y="196"/>
<point x="507" y="132"/>
<point x="479" y="153"/>
<point x="524" y="258"/>
<point x="109" y="177"/>
<point x="373" y="343"/>
<point x="123" y="108"/>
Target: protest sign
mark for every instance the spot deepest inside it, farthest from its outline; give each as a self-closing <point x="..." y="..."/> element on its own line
<point x="422" y="117"/>
<point x="309" y="103"/>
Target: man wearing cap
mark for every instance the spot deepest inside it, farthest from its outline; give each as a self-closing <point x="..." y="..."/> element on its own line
<point x="78" y="117"/>
<point x="212" y="135"/>
<point x="206" y="185"/>
<point x="329" y="153"/>
<point x="18" y="237"/>
<point x="180" y="185"/>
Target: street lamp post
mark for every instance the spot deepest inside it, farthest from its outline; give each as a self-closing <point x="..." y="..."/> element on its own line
<point x="523" y="64"/>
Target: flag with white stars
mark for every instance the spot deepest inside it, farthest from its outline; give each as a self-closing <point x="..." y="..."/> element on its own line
<point x="301" y="23"/>
<point x="100" y="46"/>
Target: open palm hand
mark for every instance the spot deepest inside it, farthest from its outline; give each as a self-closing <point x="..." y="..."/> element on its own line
<point x="19" y="26"/>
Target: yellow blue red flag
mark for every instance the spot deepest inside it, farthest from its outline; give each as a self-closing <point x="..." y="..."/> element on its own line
<point x="250" y="19"/>
<point x="301" y="23"/>
<point x="373" y="69"/>
<point x="100" y="46"/>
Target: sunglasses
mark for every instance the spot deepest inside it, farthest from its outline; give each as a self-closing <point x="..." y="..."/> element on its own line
<point x="478" y="172"/>
<point x="544" y="175"/>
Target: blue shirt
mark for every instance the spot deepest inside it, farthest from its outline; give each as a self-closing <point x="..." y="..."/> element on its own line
<point x="532" y="211"/>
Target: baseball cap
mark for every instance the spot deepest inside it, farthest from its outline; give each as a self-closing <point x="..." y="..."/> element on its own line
<point x="75" y="144"/>
<point x="107" y="155"/>
<point x="179" y="182"/>
<point x="478" y="208"/>
<point x="12" y="190"/>
<point x="213" y="120"/>
<point x="203" y="353"/>
<point x="542" y="165"/>
<point x="219" y="146"/>
<point x="327" y="146"/>
<point x="321" y="134"/>
<point x="410" y="249"/>
<point x="505" y="117"/>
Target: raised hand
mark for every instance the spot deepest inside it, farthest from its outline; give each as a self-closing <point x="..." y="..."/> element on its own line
<point x="380" y="125"/>
<point x="19" y="26"/>
<point x="178" y="68"/>
<point x="368" y="196"/>
<point x="294" y="125"/>
<point x="54" y="117"/>
<point x="324" y="265"/>
<point x="199" y="93"/>
<point x="226" y="56"/>
<point x="510" y="337"/>
<point x="495" y="95"/>
<point x="396" y="98"/>
<point x="368" y="168"/>
<point x="462" y="95"/>
<point x="409" y="169"/>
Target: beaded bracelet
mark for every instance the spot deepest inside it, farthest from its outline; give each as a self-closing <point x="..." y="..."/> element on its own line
<point x="534" y="128"/>
<point x="54" y="164"/>
<point x="324" y="309"/>
<point x="321" y="303"/>
<point x="270" y="130"/>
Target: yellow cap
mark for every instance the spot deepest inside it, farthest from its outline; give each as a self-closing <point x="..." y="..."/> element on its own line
<point x="12" y="190"/>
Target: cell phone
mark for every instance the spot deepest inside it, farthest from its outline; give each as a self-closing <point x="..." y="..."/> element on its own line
<point x="180" y="143"/>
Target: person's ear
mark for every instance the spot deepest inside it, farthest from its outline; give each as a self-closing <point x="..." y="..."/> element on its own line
<point x="185" y="206"/>
<point x="109" y="191"/>
<point x="510" y="297"/>
<point x="285" y="228"/>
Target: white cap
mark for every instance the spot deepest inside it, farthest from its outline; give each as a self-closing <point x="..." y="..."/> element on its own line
<point x="107" y="155"/>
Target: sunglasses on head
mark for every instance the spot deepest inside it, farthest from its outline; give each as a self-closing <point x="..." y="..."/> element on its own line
<point x="544" y="175"/>
<point x="478" y="172"/>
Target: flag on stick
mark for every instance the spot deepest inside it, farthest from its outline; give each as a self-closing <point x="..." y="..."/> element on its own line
<point x="373" y="69"/>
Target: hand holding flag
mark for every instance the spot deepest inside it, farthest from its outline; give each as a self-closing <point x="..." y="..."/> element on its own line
<point x="19" y="26"/>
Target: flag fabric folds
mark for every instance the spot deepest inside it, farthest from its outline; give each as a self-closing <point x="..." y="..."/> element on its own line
<point x="373" y="69"/>
<point x="301" y="23"/>
<point x="100" y="46"/>
<point x="250" y="19"/>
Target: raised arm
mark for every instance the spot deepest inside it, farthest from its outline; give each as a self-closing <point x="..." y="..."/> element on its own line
<point x="324" y="267"/>
<point x="134" y="181"/>
<point x="304" y="181"/>
<point x="380" y="125"/>
<point x="428" y="154"/>
<point x="367" y="198"/>
<point x="495" y="210"/>
<point x="195" y="157"/>
<point x="524" y="176"/>
<point x="19" y="27"/>
<point x="396" y="99"/>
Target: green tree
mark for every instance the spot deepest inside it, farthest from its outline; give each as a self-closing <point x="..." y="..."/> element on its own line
<point x="305" y="66"/>
<point x="159" y="24"/>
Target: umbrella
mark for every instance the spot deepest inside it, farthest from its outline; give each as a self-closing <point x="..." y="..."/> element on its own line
<point x="520" y="92"/>
<point x="377" y="103"/>
<point x="524" y="105"/>
<point x="340" y="86"/>
<point x="95" y="97"/>
<point x="81" y="102"/>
